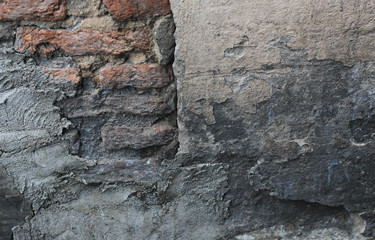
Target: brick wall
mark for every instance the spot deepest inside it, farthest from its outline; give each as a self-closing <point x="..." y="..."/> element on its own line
<point x="110" y="63"/>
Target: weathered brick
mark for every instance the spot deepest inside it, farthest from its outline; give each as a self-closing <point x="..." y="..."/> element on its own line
<point x="138" y="76"/>
<point x="125" y="9"/>
<point x="66" y="75"/>
<point x="119" y="137"/>
<point x="92" y="106"/>
<point x="83" y="42"/>
<point x="46" y="10"/>
<point x="122" y="171"/>
<point x="67" y="79"/>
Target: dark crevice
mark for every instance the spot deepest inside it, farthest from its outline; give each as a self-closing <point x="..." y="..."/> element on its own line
<point x="14" y="208"/>
<point x="363" y="129"/>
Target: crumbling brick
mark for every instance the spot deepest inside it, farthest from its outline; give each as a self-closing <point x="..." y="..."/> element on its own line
<point x="122" y="171"/>
<point x="66" y="79"/>
<point x="138" y="76"/>
<point x="119" y="137"/>
<point x="67" y="75"/>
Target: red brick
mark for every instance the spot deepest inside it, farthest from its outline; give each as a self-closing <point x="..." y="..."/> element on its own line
<point x="68" y="75"/>
<point x="67" y="79"/>
<point x="46" y="10"/>
<point x="83" y="42"/>
<point x="138" y="76"/>
<point x="141" y="9"/>
<point x="93" y="106"/>
<point x="136" y="137"/>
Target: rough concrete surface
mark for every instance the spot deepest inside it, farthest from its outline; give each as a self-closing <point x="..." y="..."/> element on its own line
<point x="274" y="102"/>
<point x="281" y="94"/>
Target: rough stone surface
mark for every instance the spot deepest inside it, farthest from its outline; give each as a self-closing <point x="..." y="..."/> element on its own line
<point x="13" y="207"/>
<point x="275" y="121"/>
<point x="87" y="8"/>
<point x="32" y="151"/>
<point x="125" y="9"/>
<point x="75" y="43"/>
<point x="246" y="30"/>
<point x="126" y="171"/>
<point x="137" y="138"/>
<point x="164" y="41"/>
<point x="285" y="232"/>
<point x="47" y="10"/>
<point x="92" y="106"/>
<point x="281" y="93"/>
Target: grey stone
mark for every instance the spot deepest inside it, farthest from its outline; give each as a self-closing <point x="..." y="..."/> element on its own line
<point x="164" y="29"/>
<point x="280" y="97"/>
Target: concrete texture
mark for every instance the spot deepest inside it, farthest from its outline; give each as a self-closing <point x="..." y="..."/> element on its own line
<point x="281" y="94"/>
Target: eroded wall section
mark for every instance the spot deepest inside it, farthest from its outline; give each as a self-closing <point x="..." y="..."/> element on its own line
<point x="87" y="100"/>
<point x="281" y="94"/>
